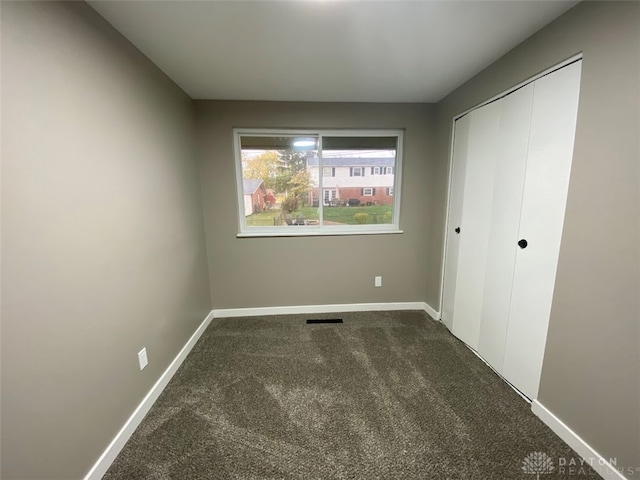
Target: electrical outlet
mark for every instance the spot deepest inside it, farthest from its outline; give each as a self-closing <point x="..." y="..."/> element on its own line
<point x="378" y="281"/>
<point x="142" y="358"/>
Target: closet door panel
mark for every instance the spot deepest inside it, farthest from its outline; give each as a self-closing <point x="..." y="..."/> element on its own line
<point x="553" y="122"/>
<point x="475" y="222"/>
<point x="515" y="119"/>
<point x="456" y="188"/>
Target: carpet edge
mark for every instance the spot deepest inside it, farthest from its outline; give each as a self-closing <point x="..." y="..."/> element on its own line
<point x="117" y="444"/>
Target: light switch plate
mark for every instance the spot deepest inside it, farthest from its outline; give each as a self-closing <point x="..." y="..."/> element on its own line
<point x="142" y="358"/>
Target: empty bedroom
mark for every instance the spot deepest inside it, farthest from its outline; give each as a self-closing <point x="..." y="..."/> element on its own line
<point x="320" y="239"/>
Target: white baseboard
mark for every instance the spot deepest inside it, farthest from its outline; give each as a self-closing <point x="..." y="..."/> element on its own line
<point x="343" y="307"/>
<point x="602" y="466"/>
<point x="112" y="451"/>
<point x="431" y="312"/>
<point x="116" y="445"/>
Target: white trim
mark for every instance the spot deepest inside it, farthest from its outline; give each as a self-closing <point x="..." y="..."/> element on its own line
<point x="310" y="231"/>
<point x="237" y="153"/>
<point x="397" y="179"/>
<point x="443" y="264"/>
<point x="332" y="194"/>
<point x="431" y="312"/>
<point x="601" y="465"/>
<point x="114" y="448"/>
<point x="549" y="70"/>
<point x="320" y="185"/>
<point x="285" y="231"/>
<point x="358" y="169"/>
<point x="343" y="307"/>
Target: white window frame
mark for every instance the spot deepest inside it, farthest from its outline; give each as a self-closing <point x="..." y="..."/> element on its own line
<point x="333" y="194"/>
<point x="390" y="191"/>
<point x="388" y="170"/>
<point x="376" y="170"/>
<point x="318" y="230"/>
<point x="360" y="171"/>
<point x="364" y="192"/>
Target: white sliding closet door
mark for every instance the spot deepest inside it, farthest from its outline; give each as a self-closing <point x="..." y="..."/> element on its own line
<point x="479" y="178"/>
<point x="553" y="123"/>
<point x="511" y="158"/>
<point x="460" y="142"/>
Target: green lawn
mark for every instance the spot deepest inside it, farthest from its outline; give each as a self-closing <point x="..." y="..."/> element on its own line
<point x="346" y="215"/>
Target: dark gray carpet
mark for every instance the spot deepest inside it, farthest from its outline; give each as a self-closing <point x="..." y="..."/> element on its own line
<point x="386" y="395"/>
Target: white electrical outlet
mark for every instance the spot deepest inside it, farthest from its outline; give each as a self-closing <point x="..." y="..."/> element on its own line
<point x="378" y="281"/>
<point x="142" y="358"/>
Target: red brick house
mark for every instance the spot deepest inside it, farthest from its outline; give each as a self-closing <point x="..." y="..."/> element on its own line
<point x="254" y="195"/>
<point x="367" y="180"/>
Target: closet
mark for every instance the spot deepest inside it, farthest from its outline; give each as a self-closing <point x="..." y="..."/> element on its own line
<point x="509" y="178"/>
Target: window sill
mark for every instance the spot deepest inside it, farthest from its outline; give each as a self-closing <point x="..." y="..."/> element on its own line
<point x="317" y="233"/>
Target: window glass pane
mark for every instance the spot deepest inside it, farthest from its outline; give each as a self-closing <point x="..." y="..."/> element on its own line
<point x="289" y="183"/>
<point x="359" y="143"/>
<point x="363" y="180"/>
<point x="279" y="188"/>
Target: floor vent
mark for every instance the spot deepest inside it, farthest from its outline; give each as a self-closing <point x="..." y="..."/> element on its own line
<point x="325" y="320"/>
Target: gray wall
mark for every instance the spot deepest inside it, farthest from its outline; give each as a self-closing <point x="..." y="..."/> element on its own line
<point x="102" y="237"/>
<point x="591" y="370"/>
<point x="103" y="248"/>
<point x="313" y="270"/>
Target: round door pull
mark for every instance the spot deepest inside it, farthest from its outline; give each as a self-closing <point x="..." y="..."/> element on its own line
<point x="457" y="230"/>
<point x="523" y="243"/>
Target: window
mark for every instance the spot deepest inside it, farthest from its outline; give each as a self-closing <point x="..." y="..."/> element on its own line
<point x="318" y="182"/>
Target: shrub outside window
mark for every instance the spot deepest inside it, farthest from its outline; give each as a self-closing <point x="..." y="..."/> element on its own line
<point x="294" y="182"/>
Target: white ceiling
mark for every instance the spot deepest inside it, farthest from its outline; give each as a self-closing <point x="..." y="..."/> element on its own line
<point x="322" y="50"/>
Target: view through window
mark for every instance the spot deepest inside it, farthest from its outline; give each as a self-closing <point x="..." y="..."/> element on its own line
<point x="293" y="183"/>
